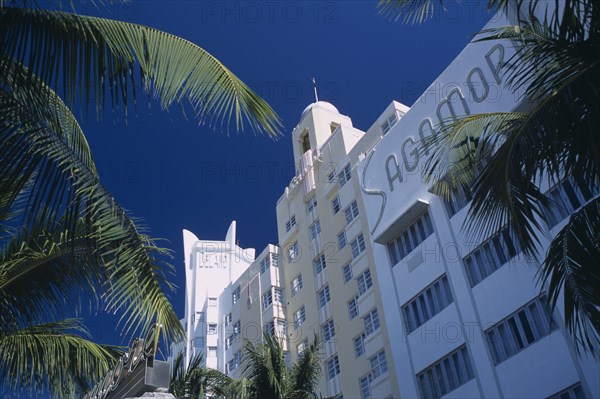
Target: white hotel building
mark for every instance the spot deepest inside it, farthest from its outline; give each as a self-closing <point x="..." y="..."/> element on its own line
<point x="406" y="304"/>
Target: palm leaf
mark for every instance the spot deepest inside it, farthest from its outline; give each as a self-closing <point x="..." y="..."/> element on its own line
<point x="33" y="174"/>
<point x="42" y="272"/>
<point x="459" y="149"/>
<point x="527" y="146"/>
<point x="419" y="11"/>
<point x="84" y="56"/>
<point x="239" y="389"/>
<point x="52" y="357"/>
<point x="132" y="259"/>
<point x="572" y="264"/>
<point x="194" y="380"/>
<point x="410" y="11"/>
<point x="306" y="372"/>
<point x="557" y="59"/>
<point x="264" y="366"/>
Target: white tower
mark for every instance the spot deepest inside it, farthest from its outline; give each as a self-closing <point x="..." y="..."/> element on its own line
<point x="210" y="267"/>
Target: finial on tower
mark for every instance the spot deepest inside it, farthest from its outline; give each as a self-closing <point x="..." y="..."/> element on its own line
<point x="315" y="88"/>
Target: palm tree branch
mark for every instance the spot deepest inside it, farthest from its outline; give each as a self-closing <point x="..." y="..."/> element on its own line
<point x="171" y="68"/>
<point x="128" y="255"/>
<point x="571" y="263"/>
<point x="55" y="351"/>
<point x="44" y="270"/>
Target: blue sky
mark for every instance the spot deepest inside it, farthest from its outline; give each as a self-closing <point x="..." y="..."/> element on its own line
<point x="175" y="174"/>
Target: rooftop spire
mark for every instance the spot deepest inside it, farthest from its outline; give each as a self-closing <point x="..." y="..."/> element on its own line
<point x="315" y="88"/>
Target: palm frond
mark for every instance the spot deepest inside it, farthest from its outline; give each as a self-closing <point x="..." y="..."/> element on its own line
<point x="132" y="260"/>
<point x="459" y="149"/>
<point x="419" y="11"/>
<point x="84" y="56"/>
<point x="542" y="142"/>
<point x="557" y="138"/>
<point x="53" y="358"/>
<point x="43" y="271"/>
<point x="239" y="389"/>
<point x="32" y="174"/>
<point x="306" y="372"/>
<point x="557" y="60"/>
<point x="195" y="380"/>
<point x="572" y="264"/>
<point x="264" y="366"/>
<point x="410" y="11"/>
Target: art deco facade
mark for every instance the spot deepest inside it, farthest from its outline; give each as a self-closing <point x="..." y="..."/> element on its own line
<point x="468" y="315"/>
<point x="406" y="303"/>
<point x="328" y="268"/>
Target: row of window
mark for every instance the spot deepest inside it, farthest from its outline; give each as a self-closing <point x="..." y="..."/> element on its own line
<point x="568" y="196"/>
<point x="437" y="380"/>
<point x="364" y="281"/>
<point x="358" y="246"/>
<point x="519" y="330"/>
<point x="427" y="304"/>
<point x="479" y="264"/>
<point x="351" y="213"/>
<point x="573" y="392"/>
<point x="445" y="375"/>
<point x="410" y="238"/>
<point x="459" y="198"/>
<point x="506" y="338"/>
<point x="490" y="256"/>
